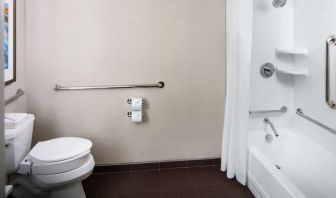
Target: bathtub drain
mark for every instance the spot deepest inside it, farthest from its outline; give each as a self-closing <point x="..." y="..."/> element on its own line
<point x="278" y="167"/>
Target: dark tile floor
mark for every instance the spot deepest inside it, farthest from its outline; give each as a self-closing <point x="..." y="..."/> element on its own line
<point x="195" y="182"/>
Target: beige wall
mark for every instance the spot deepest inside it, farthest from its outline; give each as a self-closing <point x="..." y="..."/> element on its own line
<point x="19" y="105"/>
<point x="85" y="42"/>
<point x="2" y="148"/>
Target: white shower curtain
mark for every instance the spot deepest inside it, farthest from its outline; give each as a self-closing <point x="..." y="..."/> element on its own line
<point x="238" y="54"/>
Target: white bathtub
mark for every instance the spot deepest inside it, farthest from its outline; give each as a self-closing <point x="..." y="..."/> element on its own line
<point x="307" y="170"/>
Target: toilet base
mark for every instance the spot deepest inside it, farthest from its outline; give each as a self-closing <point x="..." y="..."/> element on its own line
<point x="74" y="190"/>
<point x="23" y="188"/>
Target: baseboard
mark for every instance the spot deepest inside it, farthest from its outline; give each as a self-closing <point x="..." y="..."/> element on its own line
<point x="156" y="165"/>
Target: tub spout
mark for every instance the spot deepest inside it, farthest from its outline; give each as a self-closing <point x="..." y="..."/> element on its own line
<point x="267" y="121"/>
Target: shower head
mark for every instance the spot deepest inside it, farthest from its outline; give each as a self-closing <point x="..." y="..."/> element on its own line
<point x="279" y="3"/>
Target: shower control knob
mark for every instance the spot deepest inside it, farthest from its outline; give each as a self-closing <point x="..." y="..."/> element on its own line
<point x="267" y="70"/>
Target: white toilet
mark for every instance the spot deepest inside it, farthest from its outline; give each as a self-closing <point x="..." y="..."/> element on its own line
<point x="51" y="169"/>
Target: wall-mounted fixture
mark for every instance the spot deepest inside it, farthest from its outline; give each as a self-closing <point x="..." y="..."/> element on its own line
<point x="59" y="87"/>
<point x="283" y="109"/>
<point x="268" y="122"/>
<point x="136" y="114"/>
<point x="300" y="113"/>
<point x="267" y="70"/>
<point x="279" y="3"/>
<point x="331" y="72"/>
<point x="294" y="51"/>
<point x="18" y="94"/>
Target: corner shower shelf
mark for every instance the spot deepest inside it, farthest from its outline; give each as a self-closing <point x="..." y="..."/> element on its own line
<point x="296" y="72"/>
<point x="292" y="51"/>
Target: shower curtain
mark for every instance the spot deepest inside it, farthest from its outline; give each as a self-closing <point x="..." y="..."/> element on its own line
<point x="238" y="61"/>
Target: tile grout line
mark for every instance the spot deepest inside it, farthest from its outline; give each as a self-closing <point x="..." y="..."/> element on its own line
<point x="195" y="187"/>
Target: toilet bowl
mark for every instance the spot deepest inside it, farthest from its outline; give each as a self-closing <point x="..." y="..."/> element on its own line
<point x="52" y="168"/>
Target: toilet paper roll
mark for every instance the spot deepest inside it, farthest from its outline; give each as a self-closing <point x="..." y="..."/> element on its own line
<point x="136" y="116"/>
<point x="136" y="104"/>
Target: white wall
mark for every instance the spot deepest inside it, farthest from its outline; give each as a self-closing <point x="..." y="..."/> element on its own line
<point x="314" y="22"/>
<point x="299" y="23"/>
<point x="272" y="27"/>
<point x="19" y="105"/>
<point x="85" y="42"/>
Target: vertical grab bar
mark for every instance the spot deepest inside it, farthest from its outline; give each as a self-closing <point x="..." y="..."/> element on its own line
<point x="331" y="42"/>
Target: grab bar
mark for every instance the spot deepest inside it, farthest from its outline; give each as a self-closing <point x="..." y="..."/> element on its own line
<point x="300" y="113"/>
<point x="330" y="98"/>
<point x="58" y="87"/>
<point x="18" y="94"/>
<point x="283" y="109"/>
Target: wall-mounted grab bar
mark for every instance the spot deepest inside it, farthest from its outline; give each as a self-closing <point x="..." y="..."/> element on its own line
<point x="283" y="109"/>
<point x="300" y="113"/>
<point x="330" y="74"/>
<point x="18" y="94"/>
<point x="58" y="87"/>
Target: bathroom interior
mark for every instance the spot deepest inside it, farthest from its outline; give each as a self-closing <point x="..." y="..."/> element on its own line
<point x="168" y="99"/>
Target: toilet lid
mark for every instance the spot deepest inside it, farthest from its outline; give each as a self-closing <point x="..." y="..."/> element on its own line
<point x="59" y="149"/>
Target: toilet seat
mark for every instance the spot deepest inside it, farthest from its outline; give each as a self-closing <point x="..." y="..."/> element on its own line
<point x="59" y="149"/>
<point x="56" y="156"/>
<point x="59" y="167"/>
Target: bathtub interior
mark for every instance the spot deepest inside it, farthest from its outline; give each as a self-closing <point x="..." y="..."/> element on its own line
<point x="305" y="163"/>
<point x="266" y="181"/>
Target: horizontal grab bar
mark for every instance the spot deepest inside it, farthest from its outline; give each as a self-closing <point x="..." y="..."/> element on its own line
<point x="283" y="109"/>
<point x="58" y="87"/>
<point x="300" y="113"/>
<point x="18" y="94"/>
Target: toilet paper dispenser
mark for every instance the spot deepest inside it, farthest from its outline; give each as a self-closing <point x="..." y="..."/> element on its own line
<point x="136" y="116"/>
<point x="129" y="101"/>
<point x="129" y="114"/>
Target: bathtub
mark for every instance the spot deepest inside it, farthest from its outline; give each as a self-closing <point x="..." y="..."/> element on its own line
<point x="291" y="166"/>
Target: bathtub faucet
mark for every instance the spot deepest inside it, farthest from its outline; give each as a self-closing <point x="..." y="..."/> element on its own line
<point x="267" y="121"/>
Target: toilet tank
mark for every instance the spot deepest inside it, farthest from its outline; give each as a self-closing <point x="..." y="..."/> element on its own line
<point x="18" y="142"/>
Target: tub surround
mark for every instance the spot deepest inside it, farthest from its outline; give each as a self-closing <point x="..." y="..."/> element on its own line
<point x="319" y="14"/>
<point x="268" y="35"/>
<point x="299" y="161"/>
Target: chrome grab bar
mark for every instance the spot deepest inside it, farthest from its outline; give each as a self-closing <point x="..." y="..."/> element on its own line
<point x="300" y="113"/>
<point x="330" y="98"/>
<point x="18" y="94"/>
<point x="283" y="109"/>
<point x="58" y="87"/>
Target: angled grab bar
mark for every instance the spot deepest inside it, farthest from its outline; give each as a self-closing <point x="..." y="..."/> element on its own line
<point x="283" y="109"/>
<point x="300" y="113"/>
<point x="18" y="94"/>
